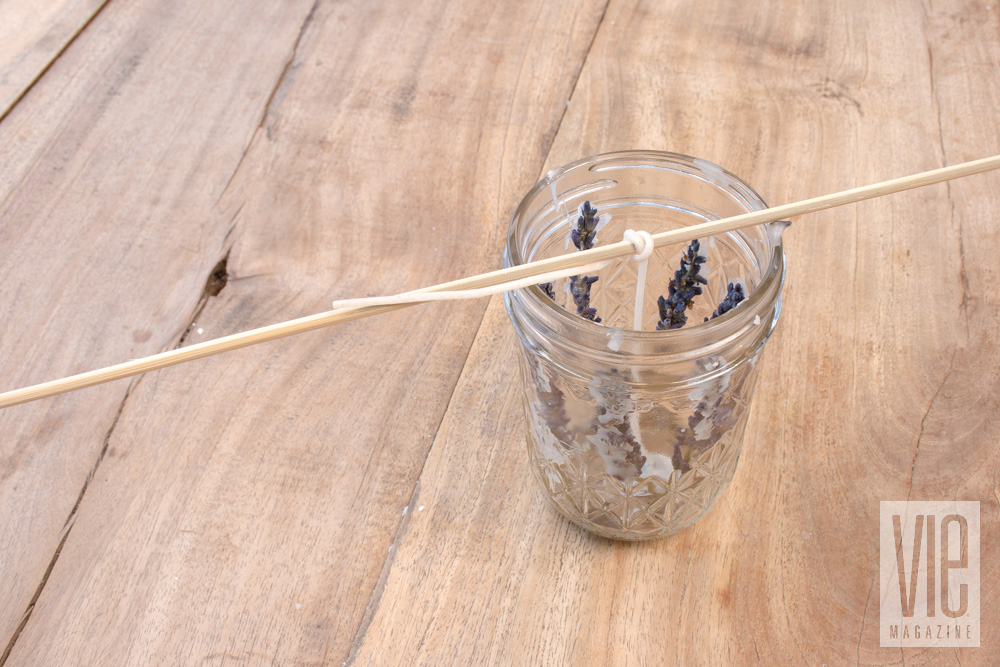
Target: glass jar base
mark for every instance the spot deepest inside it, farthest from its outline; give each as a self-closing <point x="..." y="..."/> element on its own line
<point x="638" y="509"/>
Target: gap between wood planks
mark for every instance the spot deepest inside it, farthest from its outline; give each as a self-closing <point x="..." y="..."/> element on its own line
<point x="218" y="277"/>
<point x="67" y="527"/>
<point x="375" y="598"/>
<point x="276" y="94"/>
<point x="963" y="307"/>
<point x="216" y="282"/>
<point x="576" y="83"/>
<point x="376" y="595"/>
<point x="31" y="84"/>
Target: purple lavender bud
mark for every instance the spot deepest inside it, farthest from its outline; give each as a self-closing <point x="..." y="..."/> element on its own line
<point x="548" y="289"/>
<point x="579" y="287"/>
<point x="682" y="289"/>
<point x="585" y="232"/>
<point x="583" y="236"/>
<point x="734" y="296"/>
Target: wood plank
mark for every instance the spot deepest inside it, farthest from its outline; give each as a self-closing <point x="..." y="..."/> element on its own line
<point x="880" y="383"/>
<point x="108" y="229"/>
<point x="32" y="36"/>
<point x="247" y="504"/>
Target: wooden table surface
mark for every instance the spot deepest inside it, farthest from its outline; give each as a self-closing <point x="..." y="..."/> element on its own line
<point x="361" y="493"/>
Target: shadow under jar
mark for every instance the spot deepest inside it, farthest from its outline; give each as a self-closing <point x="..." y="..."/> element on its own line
<point x="634" y="434"/>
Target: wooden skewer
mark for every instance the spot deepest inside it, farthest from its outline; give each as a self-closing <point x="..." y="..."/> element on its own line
<point x="611" y="251"/>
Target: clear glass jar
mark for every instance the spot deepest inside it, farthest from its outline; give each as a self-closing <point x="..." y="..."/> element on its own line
<point x="634" y="434"/>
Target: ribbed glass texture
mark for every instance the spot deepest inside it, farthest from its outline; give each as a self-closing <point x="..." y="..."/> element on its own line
<point x="634" y="434"/>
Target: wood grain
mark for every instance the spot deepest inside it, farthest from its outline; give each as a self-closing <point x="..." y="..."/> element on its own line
<point x="108" y="231"/>
<point x="880" y="383"/>
<point x="32" y="36"/>
<point x="362" y="495"/>
<point x="246" y="504"/>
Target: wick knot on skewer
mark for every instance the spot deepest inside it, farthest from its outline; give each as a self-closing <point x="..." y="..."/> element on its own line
<point x="643" y="243"/>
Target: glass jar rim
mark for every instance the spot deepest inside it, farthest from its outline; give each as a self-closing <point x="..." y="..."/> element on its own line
<point x="690" y="339"/>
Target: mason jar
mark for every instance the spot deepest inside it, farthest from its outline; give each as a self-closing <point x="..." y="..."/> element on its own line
<point x="634" y="434"/>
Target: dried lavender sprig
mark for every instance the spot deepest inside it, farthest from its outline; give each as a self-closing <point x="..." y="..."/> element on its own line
<point x="612" y="425"/>
<point x="620" y="437"/>
<point x="579" y="287"/>
<point x="553" y="410"/>
<point x="553" y="402"/>
<point x="585" y="232"/>
<point x="684" y="287"/>
<point x="720" y="413"/>
<point x="734" y="296"/>
<point x="583" y="236"/>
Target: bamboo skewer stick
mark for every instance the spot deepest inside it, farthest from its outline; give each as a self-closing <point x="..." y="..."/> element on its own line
<point x="602" y="253"/>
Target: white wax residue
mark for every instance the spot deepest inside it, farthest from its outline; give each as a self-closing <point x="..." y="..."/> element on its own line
<point x="713" y="171"/>
<point x="710" y="391"/>
<point x="542" y="433"/>
<point x="602" y="442"/>
<point x="602" y="220"/>
<point x="552" y="188"/>
<point x="617" y="338"/>
<point x="703" y="429"/>
<point x="657" y="464"/>
<point x="711" y="241"/>
<point x="613" y="397"/>
<point x="756" y="319"/>
<point x="774" y="231"/>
